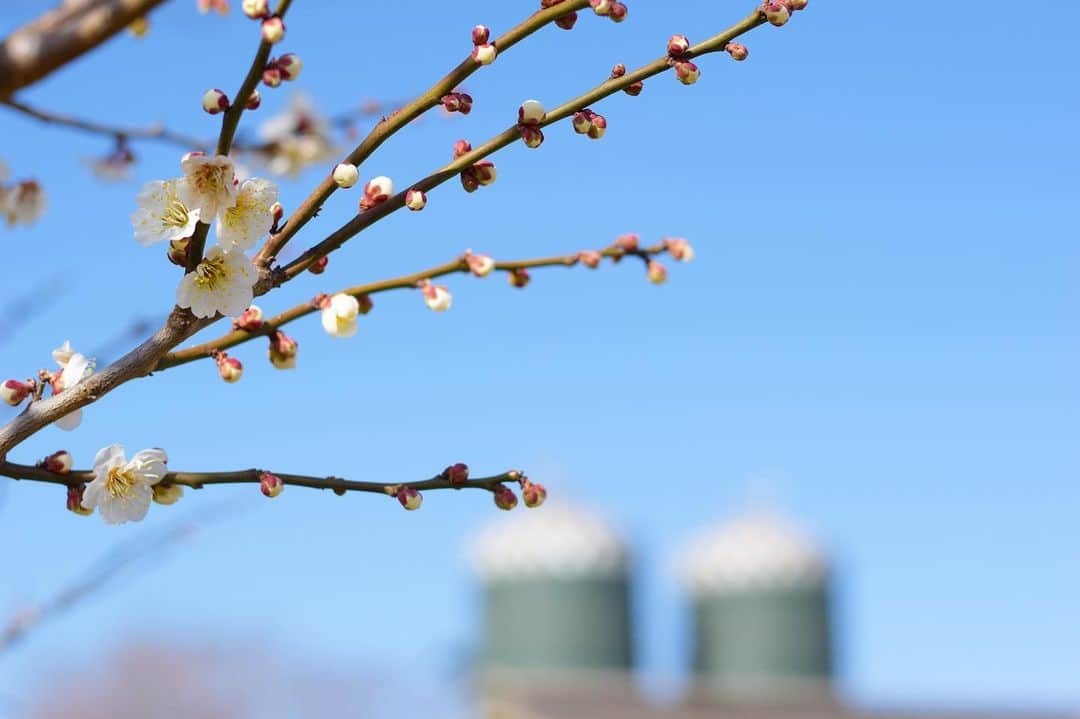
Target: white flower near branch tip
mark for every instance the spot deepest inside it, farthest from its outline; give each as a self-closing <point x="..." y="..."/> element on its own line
<point x="436" y="297"/>
<point x="160" y="215"/>
<point x="243" y="224"/>
<point x="74" y="368"/>
<point x="122" y="490"/>
<point x="223" y="282"/>
<point x="209" y="184"/>
<point x="339" y="315"/>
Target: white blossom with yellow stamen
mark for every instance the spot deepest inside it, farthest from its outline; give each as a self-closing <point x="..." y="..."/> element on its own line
<point x="223" y="282"/>
<point x="243" y="224"/>
<point x="122" y="490"/>
<point x="209" y="184"/>
<point x="161" y="216"/>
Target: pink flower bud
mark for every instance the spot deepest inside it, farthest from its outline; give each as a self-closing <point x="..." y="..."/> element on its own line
<point x="59" y="462"/>
<point x="376" y="192"/>
<point x="468" y="180"/>
<point x="687" y="72"/>
<point x="250" y="319"/>
<point x="598" y="128"/>
<point x="256" y="9"/>
<point x="679" y="249"/>
<point x="617" y="12"/>
<point x="485" y="172"/>
<point x="796" y="5"/>
<point x="776" y="11"/>
<point x="271" y="76"/>
<point x="738" y="51"/>
<point x="278" y="212"/>
<point x="533" y="494"/>
<point x="628" y="242"/>
<point x="532" y="136"/>
<point x="167" y="492"/>
<point x="74" y="500"/>
<point x="505" y="499"/>
<point x="215" y="101"/>
<point x="14" y="392"/>
<point x="656" y="272"/>
<point x="601" y="7"/>
<point x="456" y="474"/>
<point x="282" y="350"/>
<point x="273" y="30"/>
<point x="178" y="249"/>
<point x="290" y="66"/>
<point x="436" y="297"/>
<point x="409" y="498"/>
<point x="619" y="70"/>
<point x="677" y="46"/>
<point x="270" y="484"/>
<point x="531" y="112"/>
<point x="582" y="121"/>
<point x="590" y="258"/>
<point x="346" y="175"/>
<point x="567" y="21"/>
<point x="319" y="266"/>
<point x="364" y="304"/>
<point x="254" y="100"/>
<point x="518" y="277"/>
<point x="484" y="54"/>
<point x="457" y="102"/>
<point x="479" y="265"/>
<point x="635" y="89"/>
<point x="415" y="199"/>
<point x="462" y="147"/>
<point x="230" y="368"/>
<point x="480" y="35"/>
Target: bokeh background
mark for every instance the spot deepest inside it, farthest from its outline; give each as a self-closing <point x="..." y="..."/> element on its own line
<point x="878" y="334"/>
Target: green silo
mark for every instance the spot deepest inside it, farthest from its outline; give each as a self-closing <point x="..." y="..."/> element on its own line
<point x="556" y="594"/>
<point x="760" y="599"/>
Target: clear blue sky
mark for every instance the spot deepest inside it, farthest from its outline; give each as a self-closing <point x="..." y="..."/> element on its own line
<point x="880" y="327"/>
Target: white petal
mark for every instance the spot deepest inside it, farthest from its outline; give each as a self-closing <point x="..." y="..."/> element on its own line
<point x="70" y="421"/>
<point x="107" y="458"/>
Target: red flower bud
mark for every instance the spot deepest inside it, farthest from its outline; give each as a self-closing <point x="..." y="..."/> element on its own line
<point x="505" y="498"/>
<point x="457" y="474"/>
<point x="270" y="484"/>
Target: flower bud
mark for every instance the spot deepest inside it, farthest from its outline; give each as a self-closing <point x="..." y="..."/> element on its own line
<point x="14" y="392"/>
<point x="256" y="9"/>
<point x="230" y="368"/>
<point x="270" y="484"/>
<point x="635" y="89"/>
<point x="58" y="462"/>
<point x="468" y="180"/>
<point x="278" y="212"/>
<point x="532" y="136"/>
<point x="290" y="66"/>
<point x="677" y="46"/>
<point x="505" y="499"/>
<point x="796" y="5"/>
<point x="531" y="112"/>
<point x="215" y="101"/>
<point x="485" y="172"/>
<point x="364" y="304"/>
<point x="687" y="72"/>
<point x="250" y="319"/>
<point x="139" y="26"/>
<point x="74" y="500"/>
<point x="282" y="351"/>
<point x="656" y="272"/>
<point x="479" y="265"/>
<point x="590" y="258"/>
<point x="533" y="494"/>
<point x="462" y="147"/>
<point x="480" y="35"/>
<point x="679" y="249"/>
<point x="167" y="492"/>
<point x="409" y="498"/>
<point x="253" y="101"/>
<point x="518" y="277"/>
<point x="457" y="102"/>
<point x="436" y="297"/>
<point x="628" y="242"/>
<point x="346" y="175"/>
<point x="738" y="51"/>
<point x="273" y="30"/>
<point x="319" y="266"/>
<point x="456" y="474"/>
<point x="582" y="121"/>
<point x="178" y="250"/>
<point x="776" y="11"/>
<point x="601" y="7"/>
<point x="376" y="192"/>
<point x="339" y="314"/>
<point x="618" y="71"/>
<point x="271" y="76"/>
<point x="617" y="12"/>
<point x="567" y="21"/>
<point x="484" y="54"/>
<point x="598" y="128"/>
<point x="415" y="199"/>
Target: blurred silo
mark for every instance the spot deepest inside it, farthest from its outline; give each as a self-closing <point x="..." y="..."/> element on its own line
<point x="761" y="627"/>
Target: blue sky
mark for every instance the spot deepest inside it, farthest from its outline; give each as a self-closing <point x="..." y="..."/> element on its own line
<point x="879" y="332"/>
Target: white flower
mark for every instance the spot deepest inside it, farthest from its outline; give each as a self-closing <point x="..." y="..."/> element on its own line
<point x="161" y="216"/>
<point x="241" y="226"/>
<point x="74" y="368"/>
<point x="122" y="490"/>
<point x="222" y="282"/>
<point x="297" y="138"/>
<point x="63" y="353"/>
<point x="437" y="297"/>
<point x="339" y="315"/>
<point x="24" y="203"/>
<point x="208" y="185"/>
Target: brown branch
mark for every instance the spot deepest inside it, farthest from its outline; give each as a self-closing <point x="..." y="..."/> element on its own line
<point x="59" y="36"/>
<point x="507" y="137"/>
<point x="395" y="122"/>
<point x="273" y="324"/>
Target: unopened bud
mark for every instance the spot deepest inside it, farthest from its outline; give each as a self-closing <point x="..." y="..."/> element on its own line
<point x="14" y="392"/>
<point x="634" y="89"/>
<point x="456" y="474"/>
<point x="479" y="265"/>
<point x="796" y="5"/>
<point x="230" y="368"/>
<point x="74" y="500"/>
<point x="278" y="212"/>
<point x="250" y="319"/>
<point x="364" y="304"/>
<point x="776" y="11"/>
<point x="677" y="46"/>
<point x="178" y="250"/>
<point x="58" y="462"/>
<point x="628" y="242"/>
<point x="601" y="7"/>
<point x="505" y="499"/>
<point x="271" y="76"/>
<point x="598" y="127"/>
<point x="618" y="11"/>
<point x="738" y="51"/>
<point x="167" y="492"/>
<point x="679" y="249"/>
<point x="533" y="494"/>
<point x="290" y="66"/>
<point x="436" y="297"/>
<point x="518" y="277"/>
<point x="346" y="175"/>
<point x="484" y="54"/>
<point x="567" y="21"/>
<point x="273" y="30"/>
<point x="282" y="351"/>
<point x="270" y="484"/>
<point x="582" y="121"/>
<point x="409" y="498"/>
<point x="457" y="102"/>
<point x="254" y="100"/>
<point x="376" y="192"/>
<point x="215" y="101"/>
<point x="531" y="112"/>
<point x="687" y="72"/>
<point x="532" y="136"/>
<point x="415" y="199"/>
<point x="256" y="9"/>
<point x="468" y="180"/>
<point x="657" y="273"/>
<point x="619" y="70"/>
<point x="590" y="258"/>
<point x="319" y="266"/>
<point x="462" y="147"/>
<point x="480" y="35"/>
<point x="485" y="172"/>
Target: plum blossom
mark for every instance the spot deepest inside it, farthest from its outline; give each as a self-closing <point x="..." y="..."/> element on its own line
<point x="160" y="215"/>
<point x="243" y="224"/>
<point x="223" y="282"/>
<point x="209" y="184"/>
<point x="122" y="490"/>
<point x="74" y="368"/>
<point x="339" y="315"/>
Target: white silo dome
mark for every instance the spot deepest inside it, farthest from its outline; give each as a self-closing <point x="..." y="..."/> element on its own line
<point x="553" y="540"/>
<point x="759" y="548"/>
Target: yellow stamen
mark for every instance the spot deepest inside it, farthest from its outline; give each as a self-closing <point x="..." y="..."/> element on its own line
<point x="120" y="483"/>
